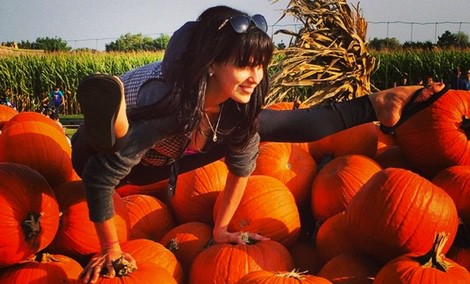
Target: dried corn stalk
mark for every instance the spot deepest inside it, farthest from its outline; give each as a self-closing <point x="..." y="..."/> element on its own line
<point x="328" y="58"/>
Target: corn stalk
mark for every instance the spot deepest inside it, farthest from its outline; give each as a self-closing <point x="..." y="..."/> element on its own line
<point x="328" y="58"/>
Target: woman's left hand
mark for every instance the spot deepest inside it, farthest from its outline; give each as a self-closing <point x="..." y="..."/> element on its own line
<point x="236" y="237"/>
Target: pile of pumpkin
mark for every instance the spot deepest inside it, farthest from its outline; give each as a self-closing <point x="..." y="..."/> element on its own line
<point x="358" y="206"/>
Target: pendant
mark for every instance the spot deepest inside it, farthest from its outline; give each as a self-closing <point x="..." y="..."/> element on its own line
<point x="214" y="137"/>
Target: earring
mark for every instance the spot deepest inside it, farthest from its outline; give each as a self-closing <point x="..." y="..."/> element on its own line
<point x="211" y="74"/>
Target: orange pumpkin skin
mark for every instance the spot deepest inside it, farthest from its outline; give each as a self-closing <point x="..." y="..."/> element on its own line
<point x="433" y="139"/>
<point x="269" y="277"/>
<point x="196" y="192"/>
<point x="350" y="268"/>
<point x="149" y="217"/>
<point x="145" y="273"/>
<point x="29" y="217"/>
<point x="361" y="139"/>
<point x="186" y="241"/>
<point x="393" y="157"/>
<point x="337" y="182"/>
<point x="290" y="164"/>
<point x="455" y="181"/>
<point x="50" y="269"/>
<point x="6" y="113"/>
<point x="267" y="208"/>
<point x="151" y="252"/>
<point x="40" y="146"/>
<point x="33" y="116"/>
<point x="398" y="212"/>
<point x="228" y="263"/>
<point x="432" y="267"/>
<point x="76" y="236"/>
<point x="305" y="257"/>
<point x="331" y="239"/>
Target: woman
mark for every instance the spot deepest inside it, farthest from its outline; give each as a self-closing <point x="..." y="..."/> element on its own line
<point x="201" y="103"/>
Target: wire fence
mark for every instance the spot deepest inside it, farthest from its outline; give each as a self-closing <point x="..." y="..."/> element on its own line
<point x="402" y="30"/>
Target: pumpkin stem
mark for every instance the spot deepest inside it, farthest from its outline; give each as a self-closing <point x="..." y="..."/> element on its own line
<point x="172" y="245"/>
<point x="466" y="126"/>
<point x="32" y="226"/>
<point x="434" y="258"/>
<point x="296" y="274"/>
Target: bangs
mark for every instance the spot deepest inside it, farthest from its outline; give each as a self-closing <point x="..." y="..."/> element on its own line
<point x="248" y="49"/>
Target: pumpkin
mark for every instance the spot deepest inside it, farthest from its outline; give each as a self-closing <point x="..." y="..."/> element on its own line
<point x="76" y="236"/>
<point x="227" y="263"/>
<point x="438" y="136"/>
<point x="145" y="273"/>
<point x="29" y="215"/>
<point x="148" y="251"/>
<point x="393" y="157"/>
<point x="186" y="241"/>
<point x="331" y="239"/>
<point x="43" y="268"/>
<point x="292" y="277"/>
<point x="196" y="192"/>
<point x="6" y="113"/>
<point x="267" y="208"/>
<point x="34" y="116"/>
<point x="290" y="164"/>
<point x="460" y="249"/>
<point x="350" y="268"/>
<point x="432" y="267"/>
<point x="305" y="257"/>
<point x="398" y="212"/>
<point x="337" y="182"/>
<point x="361" y="139"/>
<point x="40" y="146"/>
<point x="149" y="217"/>
<point x="157" y="189"/>
<point x="455" y="181"/>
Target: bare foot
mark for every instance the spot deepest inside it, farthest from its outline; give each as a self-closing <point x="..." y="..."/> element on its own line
<point x="388" y="104"/>
<point x="121" y="125"/>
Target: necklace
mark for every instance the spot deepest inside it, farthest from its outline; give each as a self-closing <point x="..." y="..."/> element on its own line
<point x="214" y="130"/>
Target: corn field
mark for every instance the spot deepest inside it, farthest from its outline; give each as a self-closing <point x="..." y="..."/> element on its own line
<point x="27" y="78"/>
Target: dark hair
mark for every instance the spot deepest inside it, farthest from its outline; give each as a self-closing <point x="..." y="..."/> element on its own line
<point x="210" y="43"/>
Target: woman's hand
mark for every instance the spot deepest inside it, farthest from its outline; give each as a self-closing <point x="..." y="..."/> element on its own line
<point x="223" y="236"/>
<point x="102" y="265"/>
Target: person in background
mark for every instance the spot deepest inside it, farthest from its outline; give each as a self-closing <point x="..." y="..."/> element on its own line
<point x="468" y="80"/>
<point x="54" y="102"/>
<point x="202" y="102"/>
<point x="456" y="81"/>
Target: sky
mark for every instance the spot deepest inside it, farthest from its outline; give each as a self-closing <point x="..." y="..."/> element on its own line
<point x="94" y="23"/>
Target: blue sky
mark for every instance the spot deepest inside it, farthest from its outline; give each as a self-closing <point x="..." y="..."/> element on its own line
<point x="93" y="23"/>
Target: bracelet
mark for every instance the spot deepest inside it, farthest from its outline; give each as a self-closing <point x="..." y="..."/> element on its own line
<point x="108" y="244"/>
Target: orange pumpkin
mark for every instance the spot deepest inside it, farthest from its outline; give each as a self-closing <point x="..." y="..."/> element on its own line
<point x="305" y="257"/>
<point x="267" y="208"/>
<point x="438" y="136"/>
<point x="40" y="146"/>
<point x="43" y="268"/>
<point x="6" y="113"/>
<point x="150" y="252"/>
<point x="348" y="268"/>
<point x="331" y="239"/>
<point x="196" y="192"/>
<point x="149" y="217"/>
<point x="146" y="273"/>
<point x="393" y="157"/>
<point x="361" y="139"/>
<point x="455" y="181"/>
<point x="430" y="268"/>
<point x="398" y="212"/>
<point x="34" y="116"/>
<point x="186" y="241"/>
<point x="337" y="182"/>
<point x="76" y="236"/>
<point x="228" y="263"/>
<point x="292" y="277"/>
<point x="29" y="215"/>
<point x="290" y="164"/>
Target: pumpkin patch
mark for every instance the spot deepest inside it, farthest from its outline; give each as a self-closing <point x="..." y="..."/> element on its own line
<point x="367" y="208"/>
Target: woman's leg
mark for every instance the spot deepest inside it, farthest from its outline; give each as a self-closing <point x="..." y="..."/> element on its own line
<point x="316" y="122"/>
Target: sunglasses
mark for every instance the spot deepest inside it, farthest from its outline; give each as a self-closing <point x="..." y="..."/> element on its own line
<point x="241" y="23"/>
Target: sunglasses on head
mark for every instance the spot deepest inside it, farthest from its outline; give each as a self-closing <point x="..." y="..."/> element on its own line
<point x="241" y="23"/>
